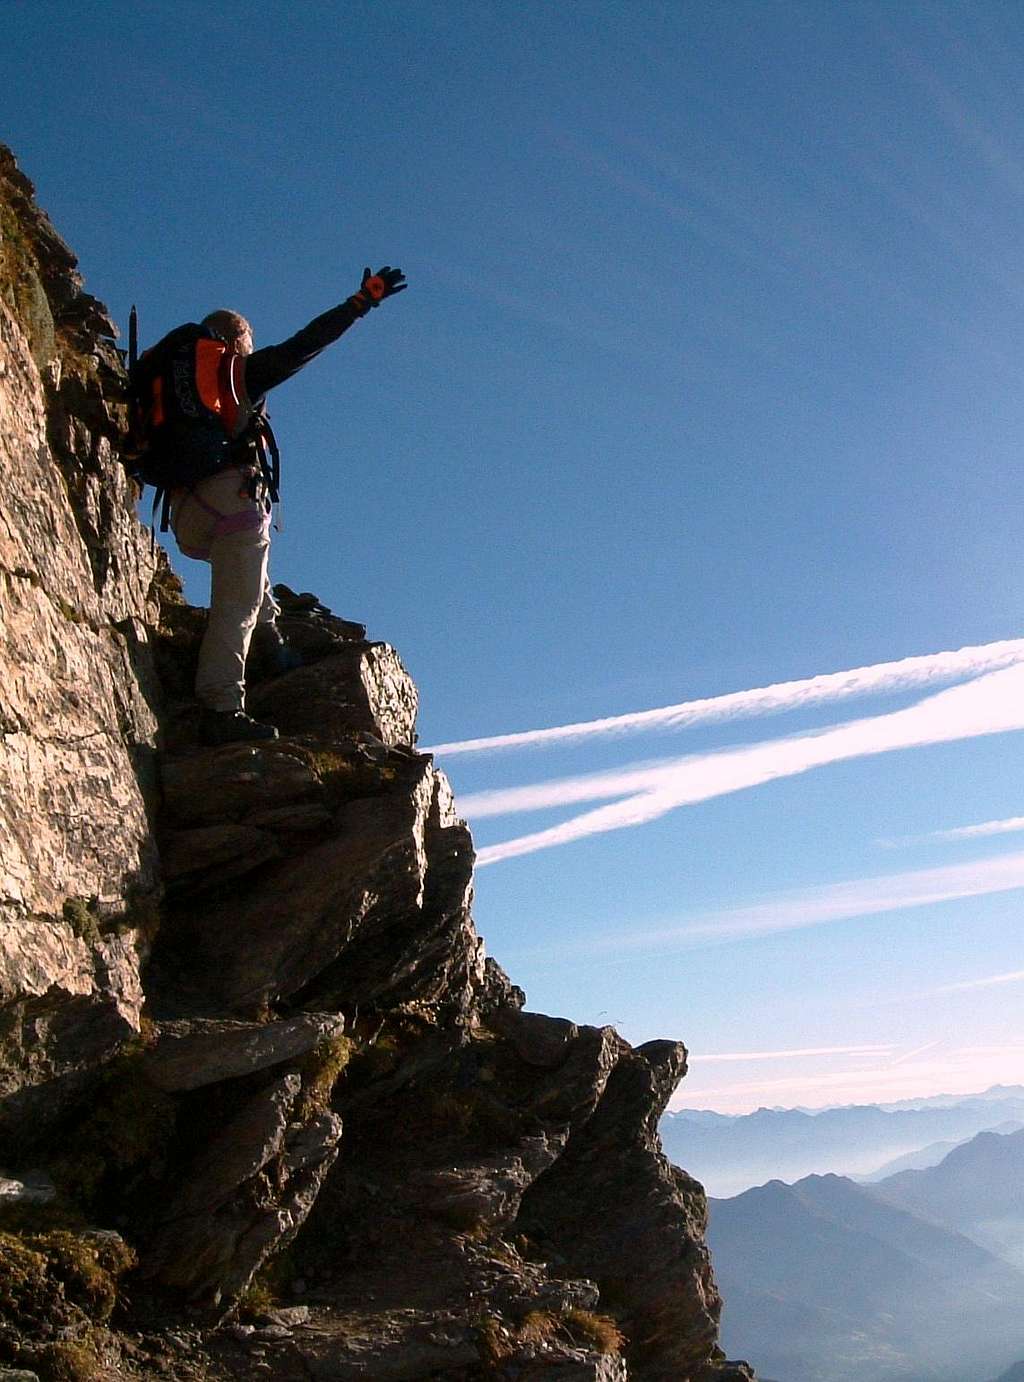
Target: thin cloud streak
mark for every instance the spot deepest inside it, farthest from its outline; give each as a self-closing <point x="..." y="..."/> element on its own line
<point x="844" y="901"/>
<point x="991" y="704"/>
<point x="1015" y="1049"/>
<point x="959" y="1072"/>
<point x="800" y="1053"/>
<point x="1010" y="826"/>
<point x="905" y="675"/>
<point x="821" y="906"/>
<point x="1015" y="976"/>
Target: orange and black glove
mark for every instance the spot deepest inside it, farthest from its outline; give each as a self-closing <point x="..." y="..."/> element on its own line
<point x="378" y="286"/>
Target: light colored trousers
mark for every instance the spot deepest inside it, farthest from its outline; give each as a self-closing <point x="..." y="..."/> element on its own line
<point x="220" y="522"/>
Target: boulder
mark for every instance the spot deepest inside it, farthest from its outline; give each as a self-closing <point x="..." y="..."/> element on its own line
<point x="229" y="784"/>
<point x="299" y="916"/>
<point x="362" y="687"/>
<point x="67" y="1006"/>
<point x="191" y="1054"/>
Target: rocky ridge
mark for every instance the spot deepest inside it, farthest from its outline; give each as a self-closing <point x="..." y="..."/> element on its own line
<point x="266" y="1108"/>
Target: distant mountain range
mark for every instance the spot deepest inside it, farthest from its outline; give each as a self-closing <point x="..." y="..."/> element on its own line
<point x="830" y="1281"/>
<point x="977" y="1190"/>
<point x="928" y="1156"/>
<point x="729" y="1154"/>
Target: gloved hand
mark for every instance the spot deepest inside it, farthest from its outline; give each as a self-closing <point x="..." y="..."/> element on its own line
<point x="378" y="286"/>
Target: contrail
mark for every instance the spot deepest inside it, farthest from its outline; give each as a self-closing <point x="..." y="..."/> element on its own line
<point x="912" y="1055"/>
<point x="1015" y="976"/>
<point x="904" y="675"/>
<point x="633" y="780"/>
<point x="991" y="704"/>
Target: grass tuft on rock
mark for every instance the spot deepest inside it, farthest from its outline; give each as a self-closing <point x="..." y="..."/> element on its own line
<point x="599" y="1333"/>
<point x="320" y="1072"/>
<point x="498" y="1340"/>
<point x="255" y="1301"/>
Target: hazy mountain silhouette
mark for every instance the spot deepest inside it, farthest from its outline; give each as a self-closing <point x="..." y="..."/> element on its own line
<point x="978" y="1190"/>
<point x="824" y="1281"/>
<point x="730" y="1154"/>
<point x="928" y="1156"/>
<point x="1014" y="1374"/>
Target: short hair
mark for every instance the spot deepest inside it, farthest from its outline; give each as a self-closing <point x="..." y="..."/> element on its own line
<point x="231" y="325"/>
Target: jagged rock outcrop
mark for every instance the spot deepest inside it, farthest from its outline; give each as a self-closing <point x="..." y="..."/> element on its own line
<point x="246" y="1019"/>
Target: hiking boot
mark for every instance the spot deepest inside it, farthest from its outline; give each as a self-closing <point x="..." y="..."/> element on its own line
<point x="231" y="727"/>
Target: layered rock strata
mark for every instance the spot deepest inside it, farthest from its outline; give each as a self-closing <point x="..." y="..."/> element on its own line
<point x="248" y="1029"/>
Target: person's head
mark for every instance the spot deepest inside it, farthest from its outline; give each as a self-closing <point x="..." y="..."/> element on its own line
<point x="232" y="327"/>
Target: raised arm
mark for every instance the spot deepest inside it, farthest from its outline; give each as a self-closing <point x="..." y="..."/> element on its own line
<point x="272" y="365"/>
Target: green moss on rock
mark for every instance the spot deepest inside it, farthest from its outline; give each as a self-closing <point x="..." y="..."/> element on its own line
<point x="88" y="1266"/>
<point x="69" y="1361"/>
<point x="32" y="1304"/>
<point x="80" y="915"/>
<point x="22" y="289"/>
<point x="56" y="1290"/>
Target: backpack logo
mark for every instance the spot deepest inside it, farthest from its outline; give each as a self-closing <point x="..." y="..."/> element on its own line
<point x="184" y="378"/>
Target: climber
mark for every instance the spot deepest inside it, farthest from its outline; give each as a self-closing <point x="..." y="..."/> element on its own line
<point x="225" y="517"/>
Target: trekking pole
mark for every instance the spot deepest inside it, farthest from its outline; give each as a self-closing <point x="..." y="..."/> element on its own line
<point x="133" y="337"/>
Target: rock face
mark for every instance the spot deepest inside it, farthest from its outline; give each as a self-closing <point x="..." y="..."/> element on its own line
<point x="245" y="1015"/>
<point x="77" y="730"/>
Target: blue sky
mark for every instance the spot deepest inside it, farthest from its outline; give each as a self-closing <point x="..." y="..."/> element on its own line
<point x="707" y="380"/>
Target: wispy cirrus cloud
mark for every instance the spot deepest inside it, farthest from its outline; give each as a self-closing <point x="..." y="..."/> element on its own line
<point x="989" y="704"/>
<point x="1011" y="825"/>
<point x="907" y="674"/>
<point x="820" y="906"/>
<point x="800" y="1053"/>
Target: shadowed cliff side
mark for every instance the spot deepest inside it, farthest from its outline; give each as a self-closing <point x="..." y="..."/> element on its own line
<point x="265" y="1106"/>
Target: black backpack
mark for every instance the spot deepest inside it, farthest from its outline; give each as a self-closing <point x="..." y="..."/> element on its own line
<point x="183" y="414"/>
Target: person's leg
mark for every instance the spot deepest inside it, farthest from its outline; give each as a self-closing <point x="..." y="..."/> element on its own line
<point x="222" y="523"/>
<point x="238" y="589"/>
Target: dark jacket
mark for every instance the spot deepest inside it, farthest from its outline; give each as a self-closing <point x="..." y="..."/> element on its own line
<point x="272" y="365"/>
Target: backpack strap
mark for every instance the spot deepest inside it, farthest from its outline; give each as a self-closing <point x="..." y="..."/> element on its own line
<point x="271" y="473"/>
